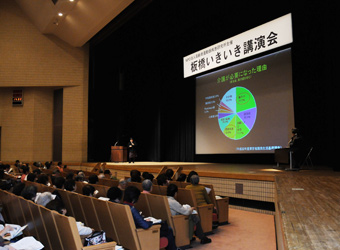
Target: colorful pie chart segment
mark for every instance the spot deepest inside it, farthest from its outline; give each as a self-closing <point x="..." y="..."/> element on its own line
<point x="237" y="113"/>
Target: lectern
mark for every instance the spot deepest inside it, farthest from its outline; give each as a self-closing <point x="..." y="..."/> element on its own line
<point x="118" y="153"/>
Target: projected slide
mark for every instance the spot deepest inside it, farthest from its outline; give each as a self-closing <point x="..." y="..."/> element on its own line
<point x="247" y="107"/>
<point x="237" y="113"/>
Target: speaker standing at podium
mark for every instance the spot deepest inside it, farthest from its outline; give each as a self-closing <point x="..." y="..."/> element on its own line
<point x="132" y="150"/>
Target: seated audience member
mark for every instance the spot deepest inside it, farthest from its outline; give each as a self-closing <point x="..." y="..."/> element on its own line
<point x="89" y="190"/>
<point x="162" y="180"/>
<point x="149" y="176"/>
<point x="44" y="198"/>
<point x="101" y="174"/>
<point x="18" y="187"/>
<point x="122" y="184"/>
<point x="5" y="184"/>
<point x="70" y="175"/>
<point x="115" y="194"/>
<point x="93" y="179"/>
<point x="36" y="171"/>
<point x="176" y="208"/>
<point x="25" y="171"/>
<point x="43" y="179"/>
<point x="80" y="177"/>
<point x="29" y="192"/>
<point x="200" y="192"/>
<point x="169" y="173"/>
<point x="182" y="177"/>
<point x="131" y="196"/>
<point x="60" y="167"/>
<point x="58" y="206"/>
<point x="135" y="176"/>
<point x="147" y="186"/>
<point x="191" y="174"/>
<point x="107" y="174"/>
<point x="31" y="177"/>
<point x="70" y="185"/>
<point x="59" y="182"/>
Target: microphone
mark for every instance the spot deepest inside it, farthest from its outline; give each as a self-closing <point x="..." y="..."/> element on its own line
<point x="116" y="143"/>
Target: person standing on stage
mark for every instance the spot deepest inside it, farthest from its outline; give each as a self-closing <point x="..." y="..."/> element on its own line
<point x="132" y="150"/>
<point x="295" y="145"/>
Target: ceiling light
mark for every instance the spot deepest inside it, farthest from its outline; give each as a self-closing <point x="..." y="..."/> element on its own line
<point x="60" y="14"/>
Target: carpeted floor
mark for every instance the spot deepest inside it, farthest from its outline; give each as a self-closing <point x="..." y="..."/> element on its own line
<point x="247" y="230"/>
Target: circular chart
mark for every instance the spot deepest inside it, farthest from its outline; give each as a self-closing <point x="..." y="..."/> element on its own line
<point x="237" y="113"/>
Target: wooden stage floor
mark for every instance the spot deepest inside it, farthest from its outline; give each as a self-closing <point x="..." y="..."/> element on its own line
<point x="226" y="170"/>
<point x="307" y="204"/>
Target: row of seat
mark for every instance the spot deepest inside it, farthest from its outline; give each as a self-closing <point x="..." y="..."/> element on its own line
<point x="55" y="231"/>
<point x="115" y="219"/>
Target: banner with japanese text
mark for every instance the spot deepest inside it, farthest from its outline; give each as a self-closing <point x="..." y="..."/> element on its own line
<point x="263" y="38"/>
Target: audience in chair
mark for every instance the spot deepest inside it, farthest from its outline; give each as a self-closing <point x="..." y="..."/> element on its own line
<point x="176" y="208"/>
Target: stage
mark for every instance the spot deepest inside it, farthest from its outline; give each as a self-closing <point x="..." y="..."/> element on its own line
<point x="261" y="172"/>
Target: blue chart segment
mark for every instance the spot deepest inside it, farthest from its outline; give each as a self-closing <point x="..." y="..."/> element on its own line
<point x="237" y="113"/>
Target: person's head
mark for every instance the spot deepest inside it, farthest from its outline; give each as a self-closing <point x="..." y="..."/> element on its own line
<point x="70" y="185"/>
<point x="93" y="179"/>
<point x="169" y="173"/>
<point x="182" y="177"/>
<point x="31" y="177"/>
<point x="114" y="194"/>
<point x="70" y="176"/>
<point x="195" y="179"/>
<point x="191" y="174"/>
<point x="131" y="194"/>
<point x="107" y="173"/>
<point x="57" y="205"/>
<point x="79" y="177"/>
<point x="147" y="185"/>
<point x="43" y="179"/>
<point x="29" y="192"/>
<point x="171" y="190"/>
<point x="37" y="171"/>
<point x="44" y="198"/>
<point x="295" y="131"/>
<point x="59" y="182"/>
<point x="59" y="164"/>
<point x="18" y="187"/>
<point x="162" y="180"/>
<point x="122" y="184"/>
<point x="25" y="169"/>
<point x="88" y="190"/>
<point x="135" y="176"/>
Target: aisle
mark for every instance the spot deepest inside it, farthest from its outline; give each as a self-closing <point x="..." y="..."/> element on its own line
<point x="247" y="230"/>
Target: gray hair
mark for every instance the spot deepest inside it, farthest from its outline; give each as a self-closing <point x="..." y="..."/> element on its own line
<point x="147" y="185"/>
<point x="195" y="179"/>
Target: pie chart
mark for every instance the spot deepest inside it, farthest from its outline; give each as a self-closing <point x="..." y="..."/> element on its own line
<point x="237" y="113"/>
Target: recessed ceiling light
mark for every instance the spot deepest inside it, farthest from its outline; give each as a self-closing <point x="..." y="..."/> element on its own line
<point x="60" y="14"/>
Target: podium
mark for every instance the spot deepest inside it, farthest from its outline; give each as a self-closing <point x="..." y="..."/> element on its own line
<point x="285" y="156"/>
<point x="118" y="153"/>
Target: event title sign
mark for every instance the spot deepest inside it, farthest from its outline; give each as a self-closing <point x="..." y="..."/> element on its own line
<point x="265" y="37"/>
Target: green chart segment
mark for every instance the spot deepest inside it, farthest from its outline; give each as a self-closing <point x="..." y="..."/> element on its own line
<point x="237" y="113"/>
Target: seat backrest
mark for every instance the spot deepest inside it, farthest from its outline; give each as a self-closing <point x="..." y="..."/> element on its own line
<point x="142" y="205"/>
<point x="67" y="203"/>
<point x="51" y="228"/>
<point x="90" y="213"/>
<point x="160" y="209"/>
<point x="40" y="225"/>
<point x="126" y="229"/>
<point x="77" y="207"/>
<point x="68" y="231"/>
<point x="105" y="218"/>
<point x="186" y="196"/>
